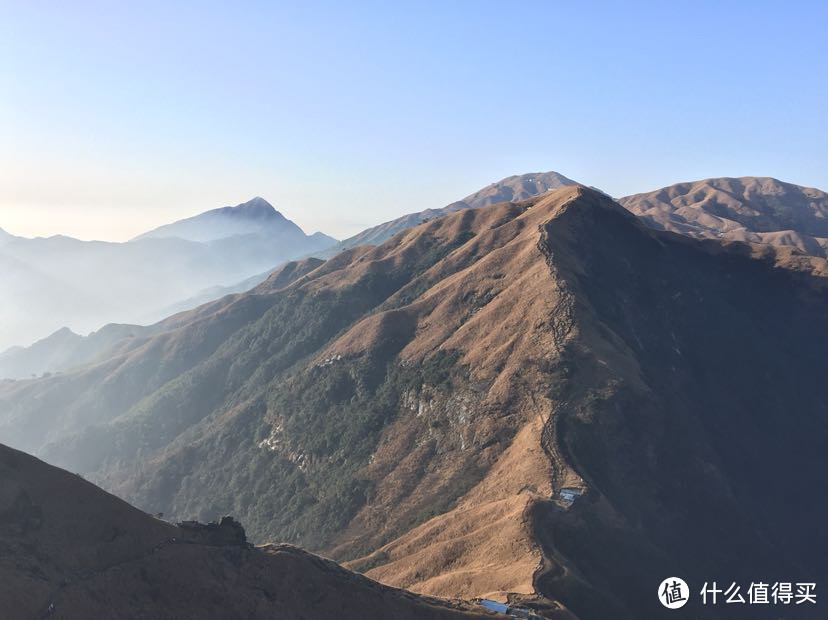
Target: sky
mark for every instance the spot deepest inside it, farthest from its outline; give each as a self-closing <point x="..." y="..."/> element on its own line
<point x="116" y="117"/>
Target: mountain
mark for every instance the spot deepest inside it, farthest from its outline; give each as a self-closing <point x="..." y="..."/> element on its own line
<point x="65" y="350"/>
<point x="545" y="402"/>
<point x="255" y="225"/>
<point x="510" y="189"/>
<point x="753" y="209"/>
<point x="5" y="237"/>
<point x="254" y="217"/>
<point x="50" y="353"/>
<point x="32" y="297"/>
<point x="216" y="292"/>
<point x="55" y="282"/>
<point x="70" y="550"/>
<point x="62" y="350"/>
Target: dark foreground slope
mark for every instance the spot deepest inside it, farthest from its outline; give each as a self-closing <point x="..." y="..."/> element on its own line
<point x="69" y="550"/>
<point x="417" y="407"/>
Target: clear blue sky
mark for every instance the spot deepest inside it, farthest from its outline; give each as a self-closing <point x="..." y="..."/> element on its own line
<point x="118" y="116"/>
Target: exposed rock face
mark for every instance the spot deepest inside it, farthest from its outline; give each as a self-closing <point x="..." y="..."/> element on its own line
<point x="227" y="532"/>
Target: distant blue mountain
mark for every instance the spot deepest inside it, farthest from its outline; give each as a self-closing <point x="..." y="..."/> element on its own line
<point x="55" y="282"/>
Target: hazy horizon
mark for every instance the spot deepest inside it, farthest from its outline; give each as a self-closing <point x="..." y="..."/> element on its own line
<point x="122" y="118"/>
<point x="133" y="226"/>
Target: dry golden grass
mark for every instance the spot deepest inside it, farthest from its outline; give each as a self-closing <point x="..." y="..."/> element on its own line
<point x="482" y="545"/>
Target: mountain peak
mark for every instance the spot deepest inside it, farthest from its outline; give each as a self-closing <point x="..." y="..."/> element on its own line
<point x="257" y="200"/>
<point x="256" y="216"/>
<point x="255" y="208"/>
<point x="754" y="209"/>
<point x="513" y="188"/>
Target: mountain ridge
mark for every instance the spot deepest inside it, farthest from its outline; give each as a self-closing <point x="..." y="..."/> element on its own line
<point x="512" y="188"/>
<point x="753" y="209"/>
<point x="416" y="408"/>
<point x="686" y="216"/>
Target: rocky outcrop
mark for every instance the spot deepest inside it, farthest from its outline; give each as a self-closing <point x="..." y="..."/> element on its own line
<point x="224" y="533"/>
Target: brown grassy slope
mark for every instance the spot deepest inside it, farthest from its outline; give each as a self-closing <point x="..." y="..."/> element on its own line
<point x="568" y="304"/>
<point x="481" y="546"/>
<point x="461" y="304"/>
<point x="69" y="550"/>
<point x="602" y="273"/>
<point x="491" y="302"/>
<point x="749" y="209"/>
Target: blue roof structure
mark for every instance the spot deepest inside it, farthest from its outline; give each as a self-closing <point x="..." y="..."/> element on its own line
<point x="570" y="495"/>
<point x="494" y="605"/>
